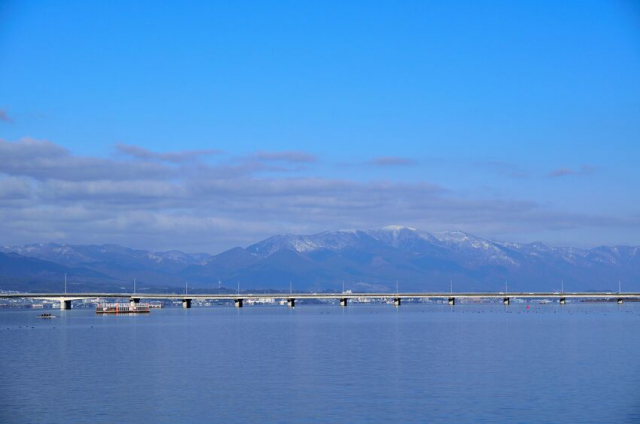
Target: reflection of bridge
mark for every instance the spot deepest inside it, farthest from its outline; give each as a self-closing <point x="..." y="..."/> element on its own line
<point x="65" y="299"/>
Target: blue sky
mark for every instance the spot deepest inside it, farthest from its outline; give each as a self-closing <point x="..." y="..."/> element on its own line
<point x="529" y="104"/>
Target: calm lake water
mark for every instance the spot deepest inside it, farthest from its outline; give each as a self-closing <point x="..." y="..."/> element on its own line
<point x="416" y="363"/>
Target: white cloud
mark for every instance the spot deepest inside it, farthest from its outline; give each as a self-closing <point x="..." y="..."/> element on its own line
<point x="49" y="194"/>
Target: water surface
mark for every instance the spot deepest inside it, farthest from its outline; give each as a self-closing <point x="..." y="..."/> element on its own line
<point x="486" y="363"/>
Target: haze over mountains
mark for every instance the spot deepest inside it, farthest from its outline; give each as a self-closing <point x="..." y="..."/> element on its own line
<point x="370" y="260"/>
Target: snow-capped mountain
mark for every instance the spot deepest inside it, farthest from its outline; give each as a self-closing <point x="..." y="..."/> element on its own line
<point x="365" y="260"/>
<point x="422" y="261"/>
<point x="465" y="246"/>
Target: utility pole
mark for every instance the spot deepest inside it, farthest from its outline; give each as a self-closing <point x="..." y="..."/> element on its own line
<point x="452" y="286"/>
<point x="134" y="285"/>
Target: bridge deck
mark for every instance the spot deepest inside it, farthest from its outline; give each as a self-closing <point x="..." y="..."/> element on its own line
<point x="248" y="296"/>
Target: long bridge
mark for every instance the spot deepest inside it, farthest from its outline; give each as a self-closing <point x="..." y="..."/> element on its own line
<point x="65" y="299"/>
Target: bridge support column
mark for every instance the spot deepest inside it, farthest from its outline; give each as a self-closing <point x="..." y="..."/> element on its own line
<point x="65" y="304"/>
<point x="238" y="303"/>
<point x="343" y="301"/>
<point x="620" y="301"/>
<point x="397" y="301"/>
<point x="186" y="303"/>
<point x="291" y="303"/>
<point x="506" y="301"/>
<point x="452" y="301"/>
<point x="563" y="301"/>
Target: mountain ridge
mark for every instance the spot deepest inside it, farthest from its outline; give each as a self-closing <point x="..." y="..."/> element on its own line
<point x="364" y="259"/>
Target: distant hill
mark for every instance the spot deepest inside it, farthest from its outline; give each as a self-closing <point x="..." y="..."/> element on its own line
<point x="109" y="264"/>
<point x="19" y="272"/>
<point x="365" y="260"/>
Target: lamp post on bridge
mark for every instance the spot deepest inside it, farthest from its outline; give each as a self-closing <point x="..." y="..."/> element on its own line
<point x="506" y="299"/>
<point x="343" y="300"/>
<point x="619" y="292"/>
<point x="291" y="302"/>
<point x="64" y="302"/>
<point x="397" y="301"/>
<point x="238" y="302"/>
<point x="452" y="300"/>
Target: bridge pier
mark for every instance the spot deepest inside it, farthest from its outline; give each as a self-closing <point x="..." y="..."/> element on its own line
<point x="291" y="303"/>
<point x="563" y="300"/>
<point x="620" y="301"/>
<point x="506" y="301"/>
<point x="186" y="303"/>
<point x="65" y="304"/>
<point x="343" y="301"/>
<point x="452" y="301"/>
<point x="238" y="303"/>
<point x="397" y="301"/>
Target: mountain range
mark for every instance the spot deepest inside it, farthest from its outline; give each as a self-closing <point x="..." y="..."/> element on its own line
<point x="362" y="260"/>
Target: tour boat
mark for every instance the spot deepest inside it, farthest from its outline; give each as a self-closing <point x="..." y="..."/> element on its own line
<point x="122" y="308"/>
